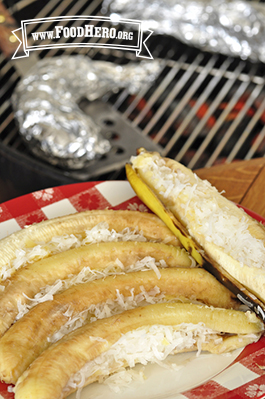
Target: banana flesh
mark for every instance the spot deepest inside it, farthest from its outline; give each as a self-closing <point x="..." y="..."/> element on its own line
<point x="48" y="376"/>
<point x="201" y="210"/>
<point x="26" y="351"/>
<point x="29" y="336"/>
<point x="153" y="229"/>
<point x="96" y="257"/>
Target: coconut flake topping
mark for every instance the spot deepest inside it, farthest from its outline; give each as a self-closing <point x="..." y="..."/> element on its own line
<point x="107" y="309"/>
<point x="146" y="344"/>
<point x="84" y="276"/>
<point x="198" y="206"/>
<point x="99" y="233"/>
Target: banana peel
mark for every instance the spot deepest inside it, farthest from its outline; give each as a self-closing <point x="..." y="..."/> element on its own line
<point x="152" y="227"/>
<point x="48" y="375"/>
<point x="145" y="186"/>
<point x="99" y="257"/>
<point x="26" y="352"/>
<point x="29" y="336"/>
<point x="155" y="205"/>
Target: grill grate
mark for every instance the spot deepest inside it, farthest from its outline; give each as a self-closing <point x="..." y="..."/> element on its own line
<point x="202" y="110"/>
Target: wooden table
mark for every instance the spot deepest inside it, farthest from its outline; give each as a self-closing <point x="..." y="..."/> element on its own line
<point x="243" y="182"/>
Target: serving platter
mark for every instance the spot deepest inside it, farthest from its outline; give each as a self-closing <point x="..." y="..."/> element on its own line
<point x="230" y="376"/>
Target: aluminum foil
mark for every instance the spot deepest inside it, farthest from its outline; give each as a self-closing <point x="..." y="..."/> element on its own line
<point x="234" y="28"/>
<point x="46" y="105"/>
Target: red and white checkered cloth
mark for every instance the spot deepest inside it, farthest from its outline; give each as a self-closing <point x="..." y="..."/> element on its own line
<point x="244" y="378"/>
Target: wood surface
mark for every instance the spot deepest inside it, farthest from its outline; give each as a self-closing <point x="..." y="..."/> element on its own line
<point x="242" y="181"/>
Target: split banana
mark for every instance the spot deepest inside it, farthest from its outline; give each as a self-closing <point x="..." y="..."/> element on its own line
<point x="192" y="220"/>
<point x="153" y="229"/>
<point x="149" y="197"/>
<point x="227" y="238"/>
<point x="29" y="336"/>
<point x="95" y="257"/>
<point x="49" y="375"/>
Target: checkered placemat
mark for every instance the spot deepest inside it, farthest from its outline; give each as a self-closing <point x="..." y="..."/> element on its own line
<point x="245" y="378"/>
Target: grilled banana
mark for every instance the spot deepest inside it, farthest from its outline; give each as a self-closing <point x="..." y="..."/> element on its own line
<point x="29" y="336"/>
<point x="96" y="257"/>
<point x="148" y="197"/>
<point x="232" y="241"/>
<point x="153" y="229"/>
<point x="48" y="376"/>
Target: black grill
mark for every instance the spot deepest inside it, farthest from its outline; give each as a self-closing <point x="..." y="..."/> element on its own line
<point x="203" y="109"/>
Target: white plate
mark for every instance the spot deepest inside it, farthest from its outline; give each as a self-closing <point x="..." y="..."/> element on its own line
<point x="207" y="376"/>
<point x="163" y="383"/>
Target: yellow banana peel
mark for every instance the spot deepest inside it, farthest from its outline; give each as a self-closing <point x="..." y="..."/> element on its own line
<point x="48" y="376"/>
<point x="97" y="257"/>
<point x="42" y="369"/>
<point x="231" y="244"/>
<point x="155" y="205"/>
<point x="150" y="225"/>
<point x="29" y="336"/>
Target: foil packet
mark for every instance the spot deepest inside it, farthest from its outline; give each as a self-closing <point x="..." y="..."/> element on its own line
<point x="46" y="107"/>
<point x="234" y="28"/>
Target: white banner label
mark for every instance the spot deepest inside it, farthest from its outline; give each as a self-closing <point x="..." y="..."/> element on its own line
<point x="86" y="31"/>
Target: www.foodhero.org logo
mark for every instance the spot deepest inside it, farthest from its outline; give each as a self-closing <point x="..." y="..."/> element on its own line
<point x="80" y="31"/>
<point x="86" y="34"/>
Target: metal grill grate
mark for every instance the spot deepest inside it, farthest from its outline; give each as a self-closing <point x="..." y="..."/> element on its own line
<point x="203" y="109"/>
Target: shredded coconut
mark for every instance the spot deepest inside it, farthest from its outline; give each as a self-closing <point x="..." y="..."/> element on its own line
<point x="84" y="276"/>
<point x="143" y="345"/>
<point x="123" y="379"/>
<point x="107" y="309"/>
<point x="99" y="233"/>
<point x="217" y="223"/>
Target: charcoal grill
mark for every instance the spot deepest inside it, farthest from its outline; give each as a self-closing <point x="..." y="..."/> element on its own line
<point x="203" y="109"/>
